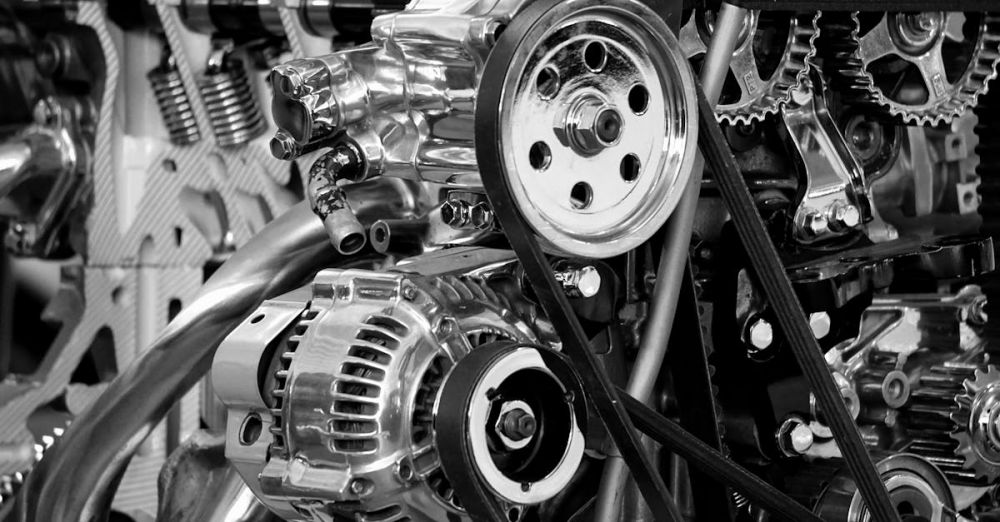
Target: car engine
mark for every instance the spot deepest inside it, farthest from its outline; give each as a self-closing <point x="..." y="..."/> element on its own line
<point x="499" y="260"/>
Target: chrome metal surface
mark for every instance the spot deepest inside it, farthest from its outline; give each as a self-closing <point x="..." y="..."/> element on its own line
<point x="344" y="425"/>
<point x="914" y="485"/>
<point x="615" y="88"/>
<point x="287" y="251"/>
<point x="670" y="271"/>
<point x="835" y="201"/>
<point x="763" y="86"/>
<point x="178" y="116"/>
<point x="229" y="99"/>
<point x="942" y="88"/>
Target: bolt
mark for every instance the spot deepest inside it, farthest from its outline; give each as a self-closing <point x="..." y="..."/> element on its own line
<point x="455" y="213"/>
<point x="819" y="322"/>
<point x="409" y="292"/>
<point x="283" y="146"/>
<point x="843" y="216"/>
<point x="46" y="111"/>
<point x="815" y="223"/>
<point x="518" y="424"/>
<point x="584" y="281"/>
<point x="926" y="22"/>
<point x="481" y="215"/>
<point x="361" y="487"/>
<point x="287" y="81"/>
<point x="444" y="328"/>
<point x="761" y="334"/>
<point x="794" y="437"/>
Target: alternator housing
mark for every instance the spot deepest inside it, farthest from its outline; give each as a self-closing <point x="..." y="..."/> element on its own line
<point x="338" y="420"/>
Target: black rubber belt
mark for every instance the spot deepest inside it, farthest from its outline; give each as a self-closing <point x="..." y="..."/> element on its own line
<point x="539" y="272"/>
<point x="709" y="461"/>
<point x="696" y="406"/>
<point x="778" y="290"/>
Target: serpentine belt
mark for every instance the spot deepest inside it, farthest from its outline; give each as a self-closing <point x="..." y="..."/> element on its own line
<point x="762" y="253"/>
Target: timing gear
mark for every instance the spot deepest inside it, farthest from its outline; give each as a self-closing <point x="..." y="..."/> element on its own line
<point x="341" y="418"/>
<point x="771" y="60"/>
<point x="925" y="68"/>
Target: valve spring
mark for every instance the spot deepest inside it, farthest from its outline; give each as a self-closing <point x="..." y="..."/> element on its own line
<point x="231" y="104"/>
<point x="175" y="107"/>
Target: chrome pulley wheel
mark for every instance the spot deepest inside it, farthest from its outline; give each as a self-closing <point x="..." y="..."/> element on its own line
<point x="512" y="417"/>
<point x="587" y="110"/>
<point x="770" y="61"/>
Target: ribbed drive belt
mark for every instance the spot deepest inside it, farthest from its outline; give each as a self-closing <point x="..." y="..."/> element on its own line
<point x="778" y="290"/>
<point x="575" y="344"/>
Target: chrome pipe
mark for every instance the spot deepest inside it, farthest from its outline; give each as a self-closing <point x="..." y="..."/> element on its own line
<point x="670" y="272"/>
<point x="74" y="481"/>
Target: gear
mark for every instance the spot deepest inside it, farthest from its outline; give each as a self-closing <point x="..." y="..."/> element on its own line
<point x="978" y="420"/>
<point x="760" y="81"/>
<point x="925" y="68"/>
<point x="953" y="421"/>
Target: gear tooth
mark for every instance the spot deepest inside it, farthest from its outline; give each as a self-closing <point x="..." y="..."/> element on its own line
<point x="793" y="69"/>
<point x="842" y="55"/>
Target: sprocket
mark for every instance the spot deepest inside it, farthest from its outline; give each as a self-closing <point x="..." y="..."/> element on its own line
<point x="924" y="68"/>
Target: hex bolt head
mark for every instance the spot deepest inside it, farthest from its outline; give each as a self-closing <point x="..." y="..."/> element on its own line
<point x="283" y="146"/>
<point x="815" y="224"/>
<point x="584" y="281"/>
<point x="819" y="322"/>
<point x="844" y="216"/>
<point x="456" y="213"/>
<point x="518" y="424"/>
<point x="761" y="334"/>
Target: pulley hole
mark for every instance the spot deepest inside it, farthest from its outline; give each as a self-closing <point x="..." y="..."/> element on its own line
<point x="251" y="429"/>
<point x="638" y="98"/>
<point x="629" y="167"/>
<point x="257" y="318"/>
<point x="513" y="514"/>
<point x="539" y="155"/>
<point x="905" y="508"/>
<point x="581" y="195"/>
<point x="595" y="55"/>
<point x="547" y="82"/>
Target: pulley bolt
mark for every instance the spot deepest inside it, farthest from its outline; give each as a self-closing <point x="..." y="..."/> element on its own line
<point x="518" y="424"/>
<point x="761" y="334"/>
<point x="579" y="282"/>
<point x="819" y="322"/>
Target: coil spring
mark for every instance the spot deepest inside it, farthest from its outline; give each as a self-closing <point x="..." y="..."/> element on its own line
<point x="175" y="107"/>
<point x="232" y="107"/>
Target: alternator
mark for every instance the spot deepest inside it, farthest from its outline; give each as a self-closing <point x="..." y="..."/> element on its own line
<point x="340" y="419"/>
